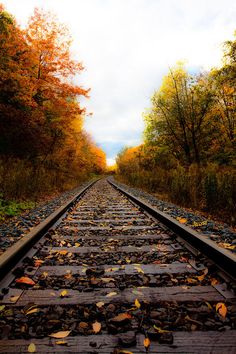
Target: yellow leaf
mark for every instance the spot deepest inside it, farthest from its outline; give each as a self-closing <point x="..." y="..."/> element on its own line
<point x="113" y="293"/>
<point x="214" y="281"/>
<point x="97" y="327"/>
<point x="30" y="311"/>
<point x="137" y="303"/>
<point x="77" y="244"/>
<point x="2" y="307"/>
<point x="32" y="348"/>
<point x="146" y="342"/>
<point x="159" y="330"/>
<point x="221" y="309"/>
<point x="139" y="269"/>
<point x="100" y="304"/>
<point x="64" y="293"/>
<point x="209" y="305"/>
<point x="61" y="334"/>
<point x="61" y="342"/>
<point x="63" y="252"/>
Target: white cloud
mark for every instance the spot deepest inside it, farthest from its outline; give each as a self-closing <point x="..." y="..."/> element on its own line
<point x="128" y="45"/>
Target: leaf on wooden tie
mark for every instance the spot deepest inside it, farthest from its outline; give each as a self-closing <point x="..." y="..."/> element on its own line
<point x="160" y="330"/>
<point x="31" y="348"/>
<point x="63" y="293"/>
<point x="221" y="309"/>
<point x="14" y="298"/>
<point x="123" y="351"/>
<point x="100" y="304"/>
<point x="113" y="293"/>
<point x="121" y="317"/>
<point x="2" y="307"/>
<point x="139" y="269"/>
<point x="146" y="343"/>
<point x="137" y="303"/>
<point x="97" y="327"/>
<point x="111" y="269"/>
<point x="25" y="280"/>
<point x="136" y="292"/>
<point x="61" y="342"/>
<point x="61" y="334"/>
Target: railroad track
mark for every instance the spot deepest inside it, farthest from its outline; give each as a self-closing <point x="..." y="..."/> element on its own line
<point x="103" y="275"/>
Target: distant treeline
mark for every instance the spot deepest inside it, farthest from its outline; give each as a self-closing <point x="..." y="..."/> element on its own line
<point x="189" y="148"/>
<point x="43" y="146"/>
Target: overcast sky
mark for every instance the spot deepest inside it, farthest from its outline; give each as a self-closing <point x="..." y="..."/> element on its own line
<point x="127" y="47"/>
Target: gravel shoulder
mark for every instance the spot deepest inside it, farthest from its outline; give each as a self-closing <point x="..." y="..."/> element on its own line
<point x="18" y="226"/>
<point x="221" y="233"/>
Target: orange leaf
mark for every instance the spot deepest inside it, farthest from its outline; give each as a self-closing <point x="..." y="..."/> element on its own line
<point x="221" y="309"/>
<point x="121" y="317"/>
<point x="25" y="280"/>
<point x="146" y="343"/>
<point x="97" y="327"/>
<point x="61" y="334"/>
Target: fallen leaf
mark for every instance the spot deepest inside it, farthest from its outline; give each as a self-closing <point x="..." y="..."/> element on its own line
<point x="61" y="334"/>
<point x="30" y="311"/>
<point x="63" y="293"/>
<point x="32" y="348"/>
<point x="137" y="303"/>
<point x="25" y="280"/>
<point x="121" y="317"/>
<point x="38" y="262"/>
<point x="113" y="293"/>
<point x="61" y="342"/>
<point x="146" y="343"/>
<point x="139" y="270"/>
<point x="214" y="281"/>
<point x="221" y="309"/>
<point x="97" y="327"/>
<point x="209" y="305"/>
<point x="182" y="220"/>
<point x="2" y="307"/>
<point x="107" y="280"/>
<point x="62" y="252"/>
<point x="100" y="304"/>
<point x="14" y="298"/>
<point x="159" y="330"/>
<point x="77" y="244"/>
<point x="191" y="280"/>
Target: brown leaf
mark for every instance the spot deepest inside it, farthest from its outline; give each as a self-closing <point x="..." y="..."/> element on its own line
<point x="97" y="327"/>
<point x="100" y="304"/>
<point x="113" y="293"/>
<point x="61" y="334"/>
<point x="121" y="317"/>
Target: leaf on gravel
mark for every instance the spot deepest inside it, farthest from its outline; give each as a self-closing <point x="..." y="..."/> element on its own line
<point x="61" y="334"/>
<point x="62" y="252"/>
<point x="201" y="277"/>
<point x="146" y="343"/>
<point x="137" y="303"/>
<point x="191" y="280"/>
<point x="159" y="330"/>
<point x="107" y="280"/>
<point x="182" y="220"/>
<point x="38" y="262"/>
<point x="121" y="317"/>
<point x="32" y="348"/>
<point x="2" y="307"/>
<point x="209" y="305"/>
<point x="100" y="304"/>
<point x="97" y="327"/>
<point x="113" y="293"/>
<point x="25" y="280"/>
<point x="30" y="311"/>
<point x="61" y="342"/>
<point x="77" y="244"/>
<point x="221" y="309"/>
<point x="14" y="298"/>
<point x="214" y="281"/>
<point x="64" y="293"/>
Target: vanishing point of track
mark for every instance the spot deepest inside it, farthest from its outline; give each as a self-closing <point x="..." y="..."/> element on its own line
<point x="102" y="274"/>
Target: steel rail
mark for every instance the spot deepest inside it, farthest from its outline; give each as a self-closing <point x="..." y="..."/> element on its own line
<point x="222" y="258"/>
<point x="14" y="253"/>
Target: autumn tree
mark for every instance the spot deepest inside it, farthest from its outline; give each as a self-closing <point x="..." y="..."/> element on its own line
<point x="178" y="117"/>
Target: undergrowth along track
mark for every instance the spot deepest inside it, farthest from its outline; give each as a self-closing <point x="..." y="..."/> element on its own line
<point x="106" y="276"/>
